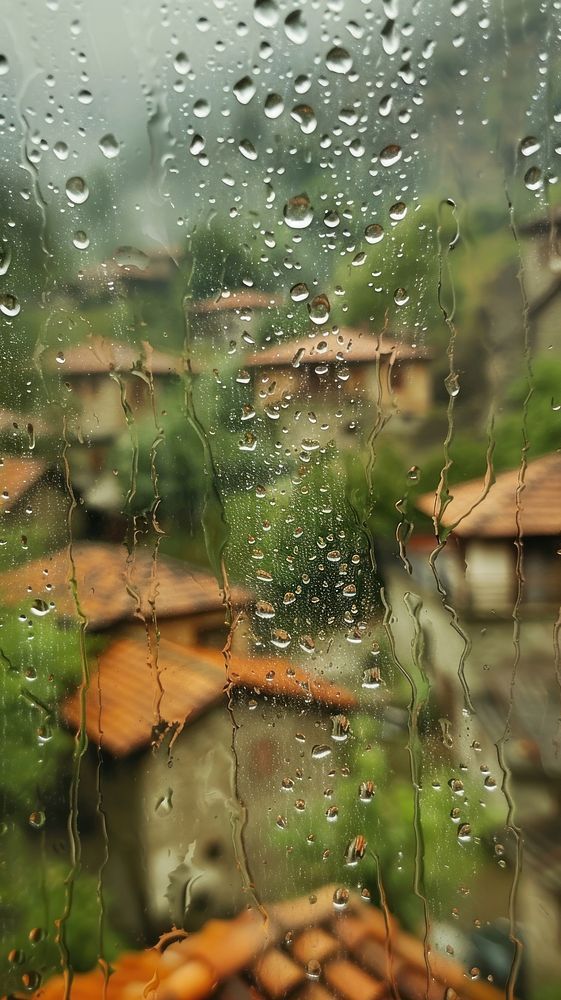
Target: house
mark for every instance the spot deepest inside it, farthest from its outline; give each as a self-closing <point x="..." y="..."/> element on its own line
<point x="170" y="733"/>
<point x="343" y="368"/>
<point x="104" y="380"/>
<point x="131" y="269"/>
<point x="32" y="495"/>
<point x="116" y="588"/>
<point x="331" y="944"/>
<point x="485" y="526"/>
<point x="229" y="320"/>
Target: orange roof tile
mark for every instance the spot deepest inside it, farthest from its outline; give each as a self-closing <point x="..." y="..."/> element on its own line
<point x="112" y="586"/>
<point x="243" y="299"/>
<point x="126" y="688"/>
<point x="99" y="355"/>
<point x="263" y="950"/>
<point x="471" y="514"/>
<point x="347" y="346"/>
<point x="17" y="476"/>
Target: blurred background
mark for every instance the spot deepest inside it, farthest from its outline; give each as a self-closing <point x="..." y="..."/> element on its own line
<point x="280" y="472"/>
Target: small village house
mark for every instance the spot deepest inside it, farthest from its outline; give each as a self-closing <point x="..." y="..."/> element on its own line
<point x="342" y="369"/>
<point x="175" y="800"/>
<point x="484" y="528"/>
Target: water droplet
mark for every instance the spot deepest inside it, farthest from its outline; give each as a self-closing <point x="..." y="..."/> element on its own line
<point x="307" y="644"/>
<point x="197" y="145"/>
<point x="60" y="149"/>
<point x="320" y="751"/>
<point x="247" y="149"/>
<point x="313" y="969"/>
<point x="295" y="28"/>
<point x="331" y="219"/>
<point x="529" y="145"/>
<point x="398" y="211"/>
<point x="390" y="38"/>
<point x="248" y="442"/>
<point x="263" y="609"/>
<point x="385" y="105"/>
<point x="274" y="105"/>
<point x="338" y="60"/>
<point x="81" y="240"/>
<point x="109" y="146"/>
<point x="77" y="190"/>
<point x="452" y="384"/>
<point x="533" y="179"/>
<point x="371" y="678"/>
<point x="332" y="814"/>
<point x="244" y="90"/>
<point x="390" y="154"/>
<point x="304" y="115"/>
<point x="266" y="13"/>
<point x="401" y="297"/>
<point x="298" y="212"/>
<point x="341" y="898"/>
<point x="490" y="784"/>
<point x="4" y="65"/>
<point x="355" y="851"/>
<point x="282" y="822"/>
<point x="319" y="309"/>
<point x="287" y="784"/>
<point x="464" y="833"/>
<point x="280" y="638"/>
<point x="366" y="791"/>
<point x="5" y="260"/>
<point x="37" y="819"/>
<point x="374" y="233"/>
<point x="85" y="96"/>
<point x="40" y="608"/>
<point x="201" y="108"/>
<point x="340" y="728"/>
<point x="299" y="292"/>
<point x="458" y="7"/>
<point x="181" y="63"/>
<point x="9" y="305"/>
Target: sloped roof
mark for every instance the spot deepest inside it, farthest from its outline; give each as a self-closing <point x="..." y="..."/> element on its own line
<point x="247" y="298"/>
<point x="347" y="346"/>
<point x="99" y="355"/>
<point x="494" y="516"/>
<point x="17" y="476"/>
<point x="125" y="689"/>
<point x="304" y="949"/>
<point x="112" y="586"/>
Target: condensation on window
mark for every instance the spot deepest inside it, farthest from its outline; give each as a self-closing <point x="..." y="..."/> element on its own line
<point x="280" y="672"/>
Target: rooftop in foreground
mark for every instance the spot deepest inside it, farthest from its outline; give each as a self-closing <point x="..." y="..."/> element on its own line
<point x="314" y="948"/>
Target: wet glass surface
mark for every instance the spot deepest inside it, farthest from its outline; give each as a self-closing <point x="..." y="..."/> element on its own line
<point x="280" y="303"/>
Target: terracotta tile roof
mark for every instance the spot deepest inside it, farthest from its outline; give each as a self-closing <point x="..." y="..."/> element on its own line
<point x="100" y="355"/>
<point x="126" y="689"/>
<point x="17" y="476"/>
<point x="111" y="587"/>
<point x="258" y="958"/>
<point x="347" y="346"/>
<point x="229" y="301"/>
<point x="495" y="515"/>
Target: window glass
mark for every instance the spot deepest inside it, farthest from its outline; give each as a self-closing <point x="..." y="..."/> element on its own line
<point x="279" y="497"/>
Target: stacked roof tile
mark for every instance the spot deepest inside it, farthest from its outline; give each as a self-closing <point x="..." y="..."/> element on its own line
<point x="106" y="585"/>
<point x="306" y="949"/>
<point x="132" y="690"/>
<point x="475" y="512"/>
